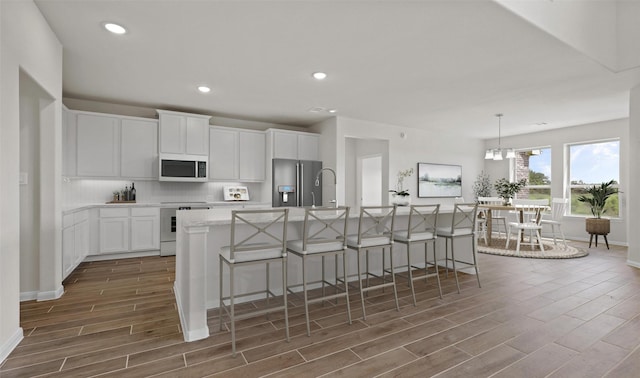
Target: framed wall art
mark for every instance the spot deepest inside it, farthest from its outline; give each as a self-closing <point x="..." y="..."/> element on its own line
<point x="439" y="180"/>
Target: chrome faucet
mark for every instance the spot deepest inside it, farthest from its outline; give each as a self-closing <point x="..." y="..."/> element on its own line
<point x="335" y="184"/>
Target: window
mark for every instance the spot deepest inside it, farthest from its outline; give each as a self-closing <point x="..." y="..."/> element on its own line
<point x="535" y="166"/>
<point x="592" y="164"/>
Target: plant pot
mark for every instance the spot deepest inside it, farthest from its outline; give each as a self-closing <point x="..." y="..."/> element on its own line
<point x="598" y="226"/>
<point x="400" y="200"/>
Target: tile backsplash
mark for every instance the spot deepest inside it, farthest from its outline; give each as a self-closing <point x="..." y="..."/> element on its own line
<point x="77" y="192"/>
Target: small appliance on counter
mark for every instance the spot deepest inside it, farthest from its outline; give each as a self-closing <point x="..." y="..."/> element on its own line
<point x="235" y="193"/>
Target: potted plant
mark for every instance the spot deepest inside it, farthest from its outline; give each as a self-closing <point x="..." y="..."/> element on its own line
<point x="596" y="196"/>
<point x="506" y="189"/>
<point x="482" y="186"/>
<point x="401" y="196"/>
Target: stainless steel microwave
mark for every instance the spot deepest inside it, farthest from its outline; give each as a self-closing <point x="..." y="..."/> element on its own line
<point x="186" y="168"/>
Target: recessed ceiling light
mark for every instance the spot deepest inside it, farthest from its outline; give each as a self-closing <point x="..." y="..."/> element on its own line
<point x="115" y="28"/>
<point x="204" y="89"/>
<point x="332" y="110"/>
<point x="319" y="75"/>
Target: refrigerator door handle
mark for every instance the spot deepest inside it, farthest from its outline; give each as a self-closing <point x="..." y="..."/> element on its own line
<point x="301" y="185"/>
<point x="298" y="169"/>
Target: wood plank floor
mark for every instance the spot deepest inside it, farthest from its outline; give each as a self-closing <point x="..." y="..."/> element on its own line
<point x="531" y="318"/>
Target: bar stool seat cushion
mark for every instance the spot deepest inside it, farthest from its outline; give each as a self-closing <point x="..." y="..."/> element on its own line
<point x="446" y="231"/>
<point x="352" y="241"/>
<point x="315" y="246"/>
<point x="415" y="236"/>
<point x="258" y="252"/>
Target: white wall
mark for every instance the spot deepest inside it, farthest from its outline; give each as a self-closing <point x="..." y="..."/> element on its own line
<point x="557" y="140"/>
<point x="417" y="146"/>
<point x="27" y="43"/>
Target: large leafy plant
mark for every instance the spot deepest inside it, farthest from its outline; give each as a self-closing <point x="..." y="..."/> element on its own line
<point x="598" y="195"/>
<point x="507" y="189"/>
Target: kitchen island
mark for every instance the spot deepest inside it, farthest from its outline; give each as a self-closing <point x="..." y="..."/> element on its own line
<point x="201" y="234"/>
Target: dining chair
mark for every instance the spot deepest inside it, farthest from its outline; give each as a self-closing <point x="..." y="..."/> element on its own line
<point x="421" y="229"/>
<point x="558" y="208"/>
<point x="529" y="220"/>
<point x="497" y="217"/>
<point x="323" y="234"/>
<point x="375" y="230"/>
<point x="264" y="243"/>
<point x="463" y="225"/>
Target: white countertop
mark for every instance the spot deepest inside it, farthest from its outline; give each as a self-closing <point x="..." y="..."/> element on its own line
<point x="222" y="216"/>
<point x="167" y="205"/>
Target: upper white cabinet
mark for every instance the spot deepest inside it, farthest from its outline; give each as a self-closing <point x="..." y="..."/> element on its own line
<point x="183" y="133"/>
<point x="293" y="145"/>
<point x="98" y="145"/>
<point x="252" y="155"/>
<point x="69" y="142"/>
<point x="103" y="145"/>
<point x="236" y="154"/>
<point x="223" y="154"/>
<point x="308" y="147"/>
<point x="139" y="148"/>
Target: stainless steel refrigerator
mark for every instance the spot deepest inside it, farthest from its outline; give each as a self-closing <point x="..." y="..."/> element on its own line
<point x="294" y="183"/>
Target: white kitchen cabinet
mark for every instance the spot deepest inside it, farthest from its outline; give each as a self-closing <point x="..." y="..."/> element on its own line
<point x="223" y="154"/>
<point x="183" y="133"/>
<point x="98" y="145"/>
<point x="236" y="154"/>
<point x="129" y="229"/>
<point x="287" y="144"/>
<point x="103" y="145"/>
<point x="114" y="235"/>
<point x="69" y="143"/>
<point x="252" y="156"/>
<point x="145" y="229"/>
<point x="139" y="148"/>
<point x="75" y="240"/>
<point x="68" y="250"/>
<point x="308" y="147"/>
<point x="197" y="138"/>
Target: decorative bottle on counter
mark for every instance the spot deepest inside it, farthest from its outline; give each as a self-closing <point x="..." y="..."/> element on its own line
<point x="132" y="195"/>
<point x="126" y="193"/>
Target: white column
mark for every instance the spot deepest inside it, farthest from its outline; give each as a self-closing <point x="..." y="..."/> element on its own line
<point x="633" y="199"/>
<point x="190" y="284"/>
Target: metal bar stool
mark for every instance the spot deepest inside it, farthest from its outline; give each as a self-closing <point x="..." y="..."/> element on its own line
<point x="263" y="243"/>
<point x="323" y="234"/>
<point x="375" y="230"/>
<point x="463" y="225"/>
<point x="421" y="229"/>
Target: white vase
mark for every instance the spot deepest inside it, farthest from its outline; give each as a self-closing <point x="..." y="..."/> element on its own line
<point x="400" y="200"/>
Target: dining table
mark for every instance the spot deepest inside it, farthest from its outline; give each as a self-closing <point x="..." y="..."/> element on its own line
<point x="494" y="207"/>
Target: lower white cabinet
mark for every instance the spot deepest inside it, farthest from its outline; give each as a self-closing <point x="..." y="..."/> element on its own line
<point x="75" y="240"/>
<point x="129" y="229"/>
<point x="145" y="229"/>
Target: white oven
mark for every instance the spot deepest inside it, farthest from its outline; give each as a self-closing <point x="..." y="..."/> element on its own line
<point x="168" y="224"/>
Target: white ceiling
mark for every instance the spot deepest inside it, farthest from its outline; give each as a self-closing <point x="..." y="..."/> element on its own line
<point x="439" y="65"/>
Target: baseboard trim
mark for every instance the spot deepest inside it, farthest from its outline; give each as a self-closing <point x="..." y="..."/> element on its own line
<point x="124" y="255"/>
<point x="11" y="344"/>
<point x="28" y="296"/>
<point x="192" y="335"/>
<point x="50" y="295"/>
<point x="634" y="264"/>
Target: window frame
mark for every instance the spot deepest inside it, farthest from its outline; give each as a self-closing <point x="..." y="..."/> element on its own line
<point x="569" y="186"/>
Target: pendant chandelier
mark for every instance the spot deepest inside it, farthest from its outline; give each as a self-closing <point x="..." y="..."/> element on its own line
<point x="496" y="154"/>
